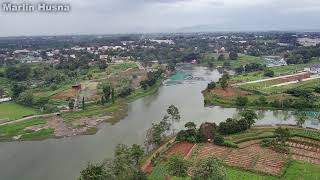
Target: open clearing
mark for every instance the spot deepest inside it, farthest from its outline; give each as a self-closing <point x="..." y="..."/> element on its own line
<point x="12" y="111"/>
<point x="229" y="92"/>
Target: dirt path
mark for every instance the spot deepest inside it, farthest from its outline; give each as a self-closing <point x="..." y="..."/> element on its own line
<point x="268" y="79"/>
<point x="29" y="117"/>
<point x="294" y="82"/>
<point x="147" y="166"/>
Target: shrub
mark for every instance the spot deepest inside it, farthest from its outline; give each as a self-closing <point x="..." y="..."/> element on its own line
<point x="209" y="169"/>
<point x="300" y="93"/>
<point x="48" y="108"/>
<point x="262" y="100"/>
<point x="232" y="126"/>
<point x="190" y="125"/>
<point x="230" y="144"/>
<point x="190" y="135"/>
<point x="226" y="64"/>
<point x="218" y="139"/>
<point x="280" y="148"/>
<point x="233" y="55"/>
<point x="211" y="85"/>
<point x="242" y="101"/>
<point x="177" y="166"/>
<point x="26" y="98"/>
<point x="269" y="73"/>
<point x="281" y="136"/>
<point x="266" y="142"/>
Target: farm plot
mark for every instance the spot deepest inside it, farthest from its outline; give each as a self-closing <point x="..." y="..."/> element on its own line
<point x="180" y="148"/>
<point x="252" y="157"/>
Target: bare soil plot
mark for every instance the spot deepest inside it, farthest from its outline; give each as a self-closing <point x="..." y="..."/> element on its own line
<point x="62" y="129"/>
<point x="180" y="148"/>
<point x="210" y="149"/>
<point x="304" y="152"/>
<point x="243" y="158"/>
<point x="229" y="92"/>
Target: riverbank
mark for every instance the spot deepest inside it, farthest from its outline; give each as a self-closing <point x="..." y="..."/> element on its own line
<point x="297" y="91"/>
<point x="66" y="124"/>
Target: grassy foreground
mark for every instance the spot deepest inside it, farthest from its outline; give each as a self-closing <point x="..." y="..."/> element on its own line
<point x="296" y="170"/>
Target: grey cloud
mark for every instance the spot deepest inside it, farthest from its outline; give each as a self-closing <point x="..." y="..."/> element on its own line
<point x="122" y="16"/>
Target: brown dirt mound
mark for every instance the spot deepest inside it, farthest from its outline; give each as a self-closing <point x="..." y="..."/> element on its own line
<point x="229" y="92"/>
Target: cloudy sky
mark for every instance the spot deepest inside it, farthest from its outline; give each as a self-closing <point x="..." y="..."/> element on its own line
<point x="134" y="16"/>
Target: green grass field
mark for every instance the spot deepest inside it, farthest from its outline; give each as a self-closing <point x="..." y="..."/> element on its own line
<point x="264" y="87"/>
<point x="250" y="134"/>
<point x="10" y="130"/>
<point x="12" y="111"/>
<point x="301" y="170"/>
<point x="278" y="71"/>
<point x="242" y="60"/>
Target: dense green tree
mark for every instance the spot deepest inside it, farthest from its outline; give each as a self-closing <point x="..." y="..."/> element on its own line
<point x="113" y="98"/>
<point x="102" y="65"/>
<point x="83" y="103"/>
<point x="218" y="139"/>
<point x="136" y="153"/>
<point x="1" y="92"/>
<point x="262" y="100"/>
<point x="106" y="90"/>
<point x="174" y="114"/>
<point x="156" y="133"/>
<point x="95" y="172"/>
<point x="211" y="85"/>
<point x="190" y="125"/>
<point x="19" y="73"/>
<point x="221" y="57"/>
<point x="282" y="135"/>
<point x="233" y="55"/>
<point x="269" y="73"/>
<point x="123" y="87"/>
<point x="242" y="101"/>
<point x="301" y="118"/>
<point x="25" y="98"/>
<point x="224" y="80"/>
<point x="102" y="101"/>
<point x="250" y="116"/>
<point x="71" y="104"/>
<point x="144" y="84"/>
<point x="16" y="89"/>
<point x="227" y="65"/>
<point x="224" y="83"/>
<point x="124" y="166"/>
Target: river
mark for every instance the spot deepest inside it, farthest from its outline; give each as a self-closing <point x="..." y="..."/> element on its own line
<point x="63" y="158"/>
